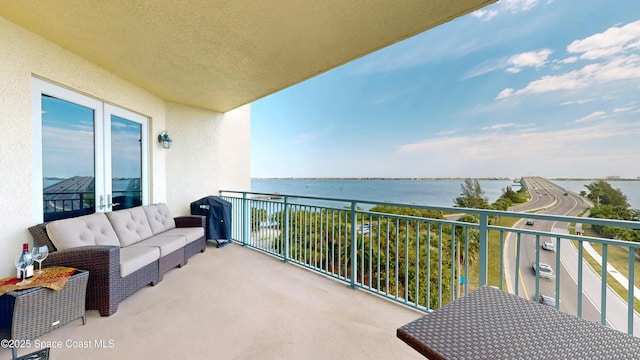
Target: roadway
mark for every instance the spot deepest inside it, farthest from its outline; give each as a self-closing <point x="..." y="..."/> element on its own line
<point x="548" y="198"/>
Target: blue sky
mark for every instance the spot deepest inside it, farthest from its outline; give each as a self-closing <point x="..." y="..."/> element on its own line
<point x="518" y="88"/>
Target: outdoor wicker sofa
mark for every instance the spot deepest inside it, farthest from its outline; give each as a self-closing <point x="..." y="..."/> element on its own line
<point x="123" y="250"/>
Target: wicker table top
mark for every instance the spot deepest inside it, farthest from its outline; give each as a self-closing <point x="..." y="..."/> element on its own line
<point x="52" y="278"/>
<point x="491" y="324"/>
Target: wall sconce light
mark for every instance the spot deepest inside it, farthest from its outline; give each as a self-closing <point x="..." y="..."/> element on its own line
<point x="165" y="140"/>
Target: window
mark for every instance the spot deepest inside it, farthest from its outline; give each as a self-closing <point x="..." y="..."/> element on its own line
<point x="89" y="156"/>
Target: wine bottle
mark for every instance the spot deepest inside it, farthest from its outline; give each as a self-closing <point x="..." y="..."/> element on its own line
<point x="26" y="256"/>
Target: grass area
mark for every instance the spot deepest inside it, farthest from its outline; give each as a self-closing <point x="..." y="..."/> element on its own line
<point x="493" y="257"/>
<point x="617" y="257"/>
<point x="493" y="260"/>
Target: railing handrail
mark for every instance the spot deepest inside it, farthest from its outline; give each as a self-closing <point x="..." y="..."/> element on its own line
<point x="569" y="219"/>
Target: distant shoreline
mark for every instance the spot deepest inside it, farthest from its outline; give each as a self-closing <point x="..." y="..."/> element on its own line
<point x="373" y="178"/>
<point x="434" y="178"/>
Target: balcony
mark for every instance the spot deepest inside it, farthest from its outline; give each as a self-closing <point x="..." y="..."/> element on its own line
<point x="235" y="303"/>
<point x="314" y="277"/>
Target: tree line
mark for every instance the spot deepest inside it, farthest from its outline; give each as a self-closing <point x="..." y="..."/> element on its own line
<point x="610" y="203"/>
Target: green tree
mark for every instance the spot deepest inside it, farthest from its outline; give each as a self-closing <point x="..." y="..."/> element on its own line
<point x="612" y="204"/>
<point x="257" y="216"/>
<point x="601" y="193"/>
<point x="512" y="195"/>
<point x="473" y="241"/>
<point x="472" y="195"/>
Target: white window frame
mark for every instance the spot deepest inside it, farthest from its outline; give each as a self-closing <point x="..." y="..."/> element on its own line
<point x="102" y="142"/>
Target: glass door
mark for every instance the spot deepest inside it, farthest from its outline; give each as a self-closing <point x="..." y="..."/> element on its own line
<point x="68" y="158"/>
<point x="128" y="160"/>
<point x="94" y="156"/>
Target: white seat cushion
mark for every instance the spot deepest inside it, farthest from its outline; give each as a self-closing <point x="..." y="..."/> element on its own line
<point x="94" y="229"/>
<point x="166" y="243"/>
<point x="133" y="258"/>
<point x="190" y="233"/>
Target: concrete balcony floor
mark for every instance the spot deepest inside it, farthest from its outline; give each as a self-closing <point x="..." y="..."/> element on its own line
<point x="236" y="303"/>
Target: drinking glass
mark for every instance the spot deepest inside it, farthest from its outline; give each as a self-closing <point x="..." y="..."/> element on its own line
<point x="39" y="253"/>
<point x="21" y="265"/>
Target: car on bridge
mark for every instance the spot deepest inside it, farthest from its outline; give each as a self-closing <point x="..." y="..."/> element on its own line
<point x="549" y="245"/>
<point x="544" y="270"/>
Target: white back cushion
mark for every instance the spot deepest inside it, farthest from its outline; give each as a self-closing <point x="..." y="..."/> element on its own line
<point x="159" y="217"/>
<point x="94" y="229"/>
<point x="130" y="225"/>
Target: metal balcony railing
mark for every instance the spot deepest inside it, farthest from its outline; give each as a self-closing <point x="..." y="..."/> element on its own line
<point x="421" y="259"/>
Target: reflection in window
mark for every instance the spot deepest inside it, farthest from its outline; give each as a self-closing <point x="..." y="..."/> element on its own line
<point x="68" y="161"/>
<point x="126" y="163"/>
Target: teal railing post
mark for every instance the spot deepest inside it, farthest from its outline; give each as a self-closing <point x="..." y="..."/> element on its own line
<point x="245" y="219"/>
<point x="603" y="286"/>
<point x="516" y="277"/>
<point x="285" y="235"/>
<point x="484" y="249"/>
<point x="354" y="246"/>
<point x="580" y="255"/>
<point x="630" y="293"/>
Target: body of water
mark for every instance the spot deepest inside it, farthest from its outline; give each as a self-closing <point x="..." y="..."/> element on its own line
<point x="419" y="192"/>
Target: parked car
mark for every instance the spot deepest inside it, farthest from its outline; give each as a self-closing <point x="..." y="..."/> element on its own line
<point x="530" y="222"/>
<point x="549" y="245"/>
<point x="545" y="271"/>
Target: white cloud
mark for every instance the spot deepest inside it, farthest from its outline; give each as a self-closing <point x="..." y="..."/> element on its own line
<point x="569" y="81"/>
<point x="448" y="132"/>
<point x="513" y="64"/>
<point x="623" y="109"/>
<point x="485" y="15"/>
<point x="612" y="42"/>
<point x="484" y="68"/>
<point x="526" y="142"/>
<point x="535" y="59"/>
<point x="612" y="55"/>
<point x="519" y="141"/>
<point x="505" y="93"/>
<point x="546" y="152"/>
<point x="624" y="68"/>
<point x="577" y="102"/>
<point x="505" y="6"/>
<point x="499" y="126"/>
<point x="591" y="117"/>
<point x="569" y="60"/>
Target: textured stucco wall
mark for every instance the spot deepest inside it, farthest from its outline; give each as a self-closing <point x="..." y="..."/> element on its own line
<point x="211" y="151"/>
<point x="25" y="55"/>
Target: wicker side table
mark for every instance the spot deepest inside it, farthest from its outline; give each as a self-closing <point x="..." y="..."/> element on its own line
<point x="34" y="312"/>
